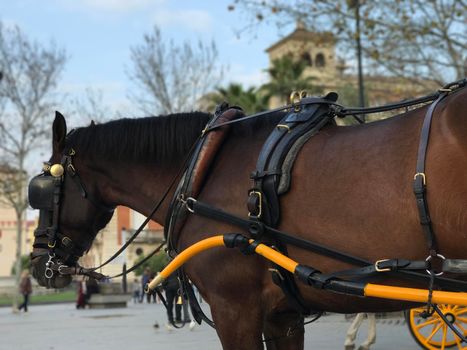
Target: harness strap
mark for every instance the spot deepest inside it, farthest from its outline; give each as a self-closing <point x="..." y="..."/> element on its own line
<point x="419" y="183"/>
<point x="203" y="209"/>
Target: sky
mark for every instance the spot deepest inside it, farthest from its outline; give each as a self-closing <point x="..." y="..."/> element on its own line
<point x="98" y="34"/>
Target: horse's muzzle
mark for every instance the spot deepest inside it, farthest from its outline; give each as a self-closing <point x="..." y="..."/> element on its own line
<point x="38" y="272"/>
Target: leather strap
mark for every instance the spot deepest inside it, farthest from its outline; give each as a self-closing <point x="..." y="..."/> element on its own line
<point x="419" y="183"/>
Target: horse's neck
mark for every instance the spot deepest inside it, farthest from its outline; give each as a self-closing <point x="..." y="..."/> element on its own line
<point x="140" y="187"/>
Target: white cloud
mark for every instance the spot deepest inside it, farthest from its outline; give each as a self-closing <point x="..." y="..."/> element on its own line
<point x="112" y="6"/>
<point x="197" y="20"/>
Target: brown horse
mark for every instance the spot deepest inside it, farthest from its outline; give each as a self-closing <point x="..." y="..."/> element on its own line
<point x="351" y="190"/>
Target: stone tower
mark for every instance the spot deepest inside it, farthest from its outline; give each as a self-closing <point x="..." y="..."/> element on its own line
<point x="317" y="49"/>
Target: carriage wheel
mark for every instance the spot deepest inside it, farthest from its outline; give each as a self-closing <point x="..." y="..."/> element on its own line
<point x="431" y="333"/>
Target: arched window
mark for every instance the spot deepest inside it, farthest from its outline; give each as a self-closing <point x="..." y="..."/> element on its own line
<point x="319" y="60"/>
<point x="306" y="57"/>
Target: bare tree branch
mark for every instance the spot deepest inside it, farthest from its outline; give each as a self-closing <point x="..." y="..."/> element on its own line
<point x="172" y="78"/>
<point x="404" y="37"/>
<point x="30" y="72"/>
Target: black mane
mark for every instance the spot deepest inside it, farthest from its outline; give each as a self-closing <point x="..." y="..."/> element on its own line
<point x="150" y="140"/>
<point x="162" y="139"/>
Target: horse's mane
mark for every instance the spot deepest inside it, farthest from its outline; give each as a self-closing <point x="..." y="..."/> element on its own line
<point x="161" y="139"/>
<point x="150" y="140"/>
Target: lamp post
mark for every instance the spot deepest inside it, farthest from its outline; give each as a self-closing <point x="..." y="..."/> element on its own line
<point x="355" y="4"/>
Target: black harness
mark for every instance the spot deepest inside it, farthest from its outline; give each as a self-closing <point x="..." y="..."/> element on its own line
<point x="304" y="120"/>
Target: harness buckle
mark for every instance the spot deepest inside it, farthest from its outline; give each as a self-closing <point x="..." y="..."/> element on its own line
<point x="378" y="269"/>
<point x="423" y="177"/>
<point x="258" y="202"/>
<point x="283" y="126"/>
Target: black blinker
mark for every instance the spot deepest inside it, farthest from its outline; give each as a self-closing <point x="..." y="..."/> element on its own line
<point x="41" y="192"/>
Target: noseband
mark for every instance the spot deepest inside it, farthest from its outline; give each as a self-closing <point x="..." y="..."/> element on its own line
<point x="45" y="194"/>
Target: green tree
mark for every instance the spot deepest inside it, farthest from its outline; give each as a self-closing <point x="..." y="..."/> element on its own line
<point x="155" y="263"/>
<point x="286" y="75"/>
<point x="251" y="100"/>
<point x="24" y="265"/>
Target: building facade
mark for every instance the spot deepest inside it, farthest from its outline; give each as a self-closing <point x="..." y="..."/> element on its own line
<point x="329" y="71"/>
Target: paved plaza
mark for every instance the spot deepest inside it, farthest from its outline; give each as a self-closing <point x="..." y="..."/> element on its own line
<point x="61" y="326"/>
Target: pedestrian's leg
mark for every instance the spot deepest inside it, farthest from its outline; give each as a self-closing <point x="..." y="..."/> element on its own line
<point x="170" y="295"/>
<point x="371" y="333"/>
<point x="352" y="332"/>
<point x="26" y="301"/>
<point x="21" y="306"/>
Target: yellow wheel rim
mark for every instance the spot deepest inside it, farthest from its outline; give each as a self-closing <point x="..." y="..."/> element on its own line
<point x="431" y="333"/>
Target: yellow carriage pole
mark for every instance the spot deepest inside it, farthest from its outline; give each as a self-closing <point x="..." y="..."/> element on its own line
<point x="355" y="288"/>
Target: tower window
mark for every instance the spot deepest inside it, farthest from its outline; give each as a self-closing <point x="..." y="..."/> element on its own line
<point x="306" y="57"/>
<point x="320" y="61"/>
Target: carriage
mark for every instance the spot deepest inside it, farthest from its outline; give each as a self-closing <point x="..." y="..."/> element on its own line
<point x="399" y="182"/>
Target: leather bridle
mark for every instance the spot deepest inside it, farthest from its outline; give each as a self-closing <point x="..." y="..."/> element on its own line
<point x="45" y="194"/>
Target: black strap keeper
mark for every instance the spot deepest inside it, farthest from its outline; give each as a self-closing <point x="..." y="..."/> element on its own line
<point x="250" y="248"/>
<point x="233" y="240"/>
<point x="256" y="229"/>
<point x="303" y="273"/>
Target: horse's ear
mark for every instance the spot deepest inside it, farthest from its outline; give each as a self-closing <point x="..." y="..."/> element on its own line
<point x="58" y="133"/>
<point x="92" y="123"/>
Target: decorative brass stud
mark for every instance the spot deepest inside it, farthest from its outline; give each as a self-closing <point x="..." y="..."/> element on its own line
<point x="56" y="170"/>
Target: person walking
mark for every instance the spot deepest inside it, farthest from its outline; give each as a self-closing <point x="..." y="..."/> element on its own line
<point x="171" y="287"/>
<point x="25" y="288"/>
<point x="145" y="280"/>
<point x="353" y="329"/>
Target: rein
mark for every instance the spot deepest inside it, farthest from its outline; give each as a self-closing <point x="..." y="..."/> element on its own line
<point x="55" y="174"/>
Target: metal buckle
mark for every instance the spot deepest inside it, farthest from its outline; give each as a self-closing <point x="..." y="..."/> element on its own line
<point x="60" y="267"/>
<point x="379" y="269"/>
<point x="422" y="175"/>
<point x="187" y="205"/>
<point x="283" y="126"/>
<point x="260" y="205"/>
<point x="49" y="273"/>
<point x="433" y="273"/>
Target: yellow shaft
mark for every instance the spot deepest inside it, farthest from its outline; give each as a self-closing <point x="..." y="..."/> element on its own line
<point x="371" y="290"/>
<point x="183" y="257"/>
<point x="417" y="295"/>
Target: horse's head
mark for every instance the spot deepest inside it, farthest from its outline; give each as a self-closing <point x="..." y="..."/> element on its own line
<point x="71" y="211"/>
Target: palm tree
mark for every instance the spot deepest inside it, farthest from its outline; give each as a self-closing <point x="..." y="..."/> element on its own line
<point x="250" y="100"/>
<point x="286" y="74"/>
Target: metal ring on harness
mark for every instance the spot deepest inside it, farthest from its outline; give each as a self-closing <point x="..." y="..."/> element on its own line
<point x="188" y="206"/>
<point x="48" y="273"/>
<point x="430" y="272"/>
